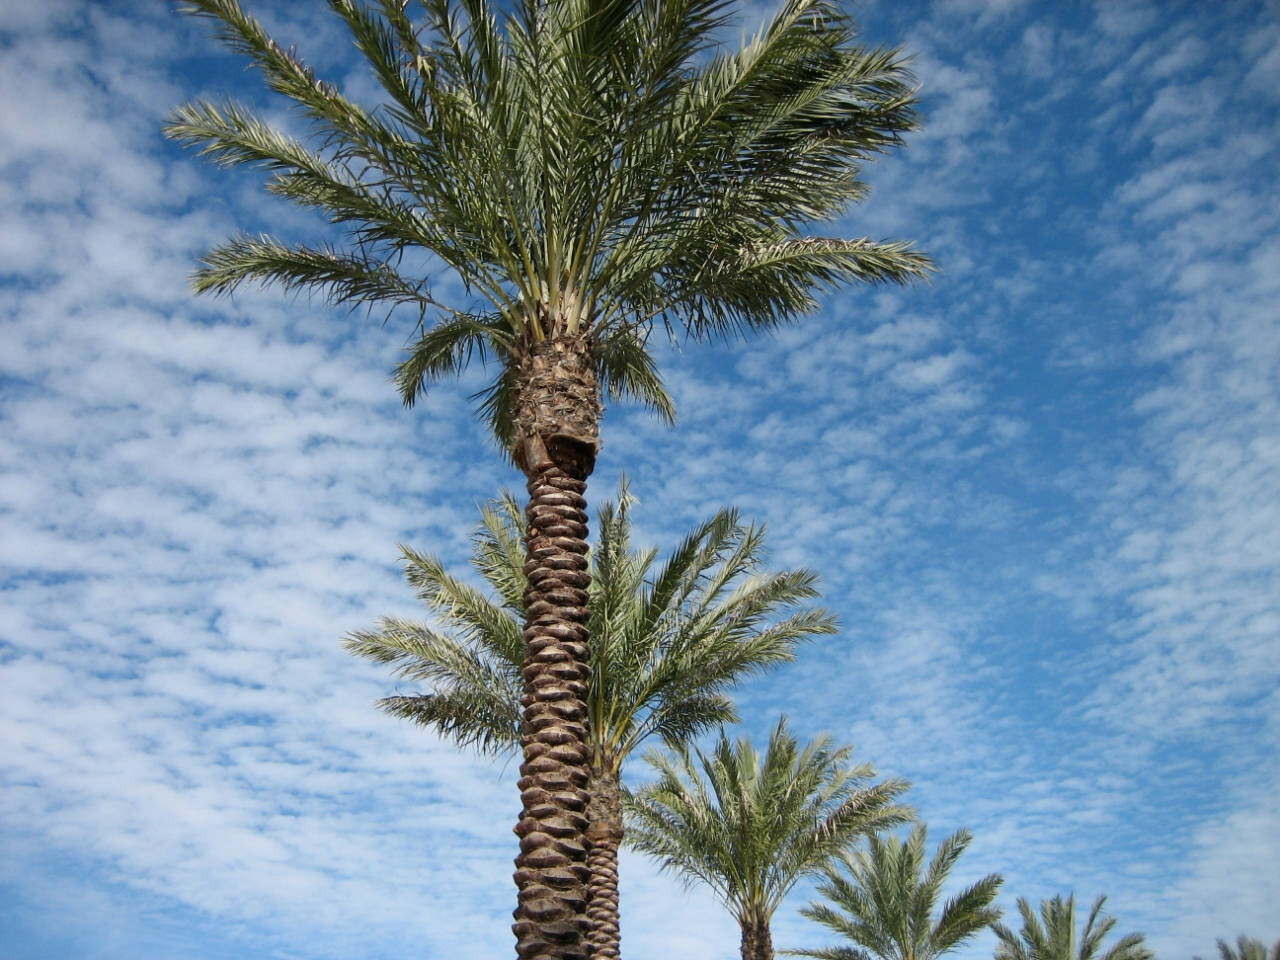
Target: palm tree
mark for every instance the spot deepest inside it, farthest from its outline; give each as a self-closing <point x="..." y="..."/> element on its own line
<point x="884" y="906"/>
<point x="588" y="169"/>
<point x="749" y="828"/>
<point x="1247" y="948"/>
<point x="1055" y="938"/>
<point x="667" y="641"/>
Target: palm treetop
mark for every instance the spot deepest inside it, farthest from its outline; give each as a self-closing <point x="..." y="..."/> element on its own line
<point x="1247" y="948"/>
<point x="588" y="168"/>
<point x="884" y="899"/>
<point x="1052" y="935"/>
<point x="751" y="826"/>
<point x="668" y="639"/>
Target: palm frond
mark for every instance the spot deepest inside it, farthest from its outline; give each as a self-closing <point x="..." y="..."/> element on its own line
<point x="688" y="718"/>
<point x="499" y="553"/>
<point x="346" y="278"/>
<point x="476" y="618"/>
<point x="467" y="717"/>
<point x="679" y="576"/>
<point x="390" y="45"/>
<point x="829" y="261"/>
<point x="627" y="371"/>
<point x="832" y="953"/>
<point x="476" y="696"/>
<point x="447" y="348"/>
<point x="284" y="71"/>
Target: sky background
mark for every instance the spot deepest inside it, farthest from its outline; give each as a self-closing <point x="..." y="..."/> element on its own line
<point x="1043" y="494"/>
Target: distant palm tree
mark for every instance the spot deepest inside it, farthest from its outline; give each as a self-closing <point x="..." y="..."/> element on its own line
<point x="1247" y="948"/>
<point x="667" y="641"/>
<point x="749" y="828"/>
<point x="884" y="905"/>
<point x="1055" y="938"/>
<point x="589" y="170"/>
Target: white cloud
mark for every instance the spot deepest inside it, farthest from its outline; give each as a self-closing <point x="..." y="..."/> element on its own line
<point x="1239" y="840"/>
<point x="1125" y="19"/>
<point x="1041" y="493"/>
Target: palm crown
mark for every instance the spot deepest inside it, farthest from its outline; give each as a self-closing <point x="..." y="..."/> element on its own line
<point x="1247" y="948"/>
<point x="883" y="899"/>
<point x="751" y="827"/>
<point x="585" y="167"/>
<point x="1052" y="935"/>
<point x="667" y="639"/>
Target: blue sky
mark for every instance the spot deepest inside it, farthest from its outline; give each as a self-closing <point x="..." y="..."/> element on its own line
<point x="1043" y="494"/>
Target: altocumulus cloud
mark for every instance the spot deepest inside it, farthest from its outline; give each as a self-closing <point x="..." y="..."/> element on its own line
<point x="1041" y="493"/>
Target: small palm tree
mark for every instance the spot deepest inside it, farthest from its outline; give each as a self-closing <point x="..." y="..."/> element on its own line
<point x="883" y="904"/>
<point x="1055" y="937"/>
<point x="1247" y="948"/>
<point x="751" y="828"/>
<point x="667" y="642"/>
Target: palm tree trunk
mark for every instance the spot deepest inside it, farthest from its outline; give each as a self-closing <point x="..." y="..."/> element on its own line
<point x="557" y="413"/>
<point x="757" y="942"/>
<point x="604" y="830"/>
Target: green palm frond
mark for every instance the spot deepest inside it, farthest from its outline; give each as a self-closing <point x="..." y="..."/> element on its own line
<point x="499" y="553"/>
<point x="684" y="719"/>
<point x="769" y="130"/>
<point x="884" y="901"/>
<point x="473" y="619"/>
<point x="344" y="279"/>
<point x="465" y="716"/>
<point x="1052" y="935"/>
<point x="475" y="699"/>
<point x="828" y="262"/>
<point x="582" y="166"/>
<point x="750" y="827"/>
<point x="626" y="370"/>
<point x="700" y="549"/>
<point x="447" y="348"/>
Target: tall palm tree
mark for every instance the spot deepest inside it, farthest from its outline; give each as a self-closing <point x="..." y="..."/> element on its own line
<point x="1247" y="948"/>
<point x="750" y="828"/>
<point x="1052" y="935"/>
<point x="884" y="905"/>
<point x="589" y="169"/>
<point x="667" y="641"/>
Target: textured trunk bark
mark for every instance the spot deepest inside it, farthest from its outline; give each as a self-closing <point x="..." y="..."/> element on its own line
<point x="604" y="830"/>
<point x="557" y="415"/>
<point x="757" y="942"/>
